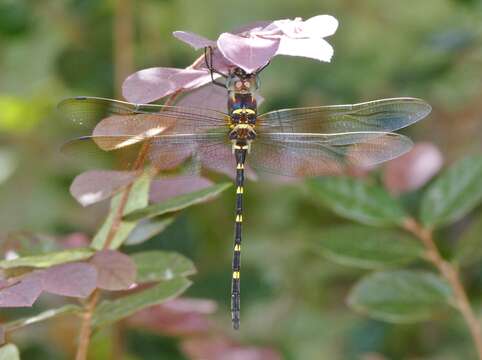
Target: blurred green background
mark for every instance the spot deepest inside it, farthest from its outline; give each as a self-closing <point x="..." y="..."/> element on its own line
<point x="292" y="298"/>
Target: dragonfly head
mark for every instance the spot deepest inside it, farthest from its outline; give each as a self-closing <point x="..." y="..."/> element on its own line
<point x="241" y="82"/>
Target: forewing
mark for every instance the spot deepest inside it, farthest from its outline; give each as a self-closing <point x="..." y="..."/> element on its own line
<point x="380" y="115"/>
<point x="300" y="155"/>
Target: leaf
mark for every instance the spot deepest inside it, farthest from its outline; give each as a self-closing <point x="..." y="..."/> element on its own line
<point x="73" y="279"/>
<point x="111" y="311"/>
<point x="178" y="203"/>
<point x="161" y="265"/>
<point x="400" y="296"/>
<point x="45" y="315"/>
<point x="368" y="248"/>
<point x="457" y="191"/>
<point x="147" y="229"/>
<point x="23" y="293"/>
<point x="357" y="200"/>
<point x="93" y="186"/>
<point x="48" y="259"/>
<point x="115" y="271"/>
<point x="138" y="199"/>
<point x="468" y="250"/>
<point x="9" y="352"/>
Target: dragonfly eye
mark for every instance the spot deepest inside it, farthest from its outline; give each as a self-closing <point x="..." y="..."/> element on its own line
<point x="247" y="84"/>
<point x="238" y="85"/>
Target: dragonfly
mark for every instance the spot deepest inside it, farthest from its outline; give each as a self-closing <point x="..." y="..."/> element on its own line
<point x="295" y="142"/>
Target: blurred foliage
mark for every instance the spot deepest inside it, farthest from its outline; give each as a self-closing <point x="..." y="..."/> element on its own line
<point x="292" y="296"/>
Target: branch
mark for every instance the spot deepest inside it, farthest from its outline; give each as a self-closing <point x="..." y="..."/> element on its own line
<point x="450" y="273"/>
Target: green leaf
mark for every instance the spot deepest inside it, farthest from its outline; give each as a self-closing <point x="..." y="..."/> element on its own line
<point x="368" y="248"/>
<point x="45" y="315"/>
<point x="357" y="200"/>
<point x="401" y="296"/>
<point x="469" y="247"/>
<point x="138" y="199"/>
<point x="48" y="259"/>
<point x="111" y="311"/>
<point x="178" y="203"/>
<point x="457" y="191"/>
<point x="147" y="229"/>
<point x="161" y="265"/>
<point x="9" y="352"/>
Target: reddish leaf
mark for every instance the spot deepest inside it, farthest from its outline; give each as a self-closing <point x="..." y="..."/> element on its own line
<point x="249" y="53"/>
<point x="22" y="293"/>
<point x="116" y="271"/>
<point x="412" y="170"/>
<point x="222" y="349"/>
<point x="71" y="279"/>
<point x="176" y="317"/>
<point x="166" y="188"/>
<point x="75" y="240"/>
<point x="93" y="186"/>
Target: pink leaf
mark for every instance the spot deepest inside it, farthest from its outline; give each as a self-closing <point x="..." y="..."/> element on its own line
<point x="154" y="83"/>
<point x="71" y="279"/>
<point x="250" y="53"/>
<point x="209" y="97"/>
<point x="412" y="170"/>
<point x="116" y="271"/>
<point x="93" y="186"/>
<point x="22" y="293"/>
<point x="166" y="188"/>
<point x="221" y="349"/>
<point x="195" y="40"/>
<point x="177" y="317"/>
<point x="317" y="48"/>
<point x="75" y="240"/>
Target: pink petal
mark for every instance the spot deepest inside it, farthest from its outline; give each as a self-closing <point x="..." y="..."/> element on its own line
<point x="316" y="27"/>
<point x="250" y="53"/>
<point x="320" y="26"/>
<point x="154" y="83"/>
<point x="220" y="63"/>
<point x="22" y="293"/>
<point x="195" y="40"/>
<point x="72" y="279"/>
<point x="97" y="185"/>
<point x="318" y="49"/>
<point x="254" y="27"/>
<point x="115" y="270"/>
<point x="412" y="170"/>
<point x="166" y="188"/>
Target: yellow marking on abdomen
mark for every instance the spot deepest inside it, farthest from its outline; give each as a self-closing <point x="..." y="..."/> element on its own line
<point x="239" y="218"/>
<point x="237" y="247"/>
<point x="235" y="274"/>
<point x="239" y="190"/>
<point x="240" y="166"/>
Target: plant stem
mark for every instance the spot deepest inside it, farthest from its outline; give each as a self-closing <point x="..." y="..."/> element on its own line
<point x="451" y="274"/>
<point x="85" y="328"/>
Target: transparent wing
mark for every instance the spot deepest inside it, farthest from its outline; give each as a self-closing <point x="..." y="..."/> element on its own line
<point x="292" y="154"/>
<point x="380" y="115"/>
<point x="188" y="152"/>
<point x="87" y="113"/>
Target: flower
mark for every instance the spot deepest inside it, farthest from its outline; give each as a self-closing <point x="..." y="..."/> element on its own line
<point x="249" y="48"/>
